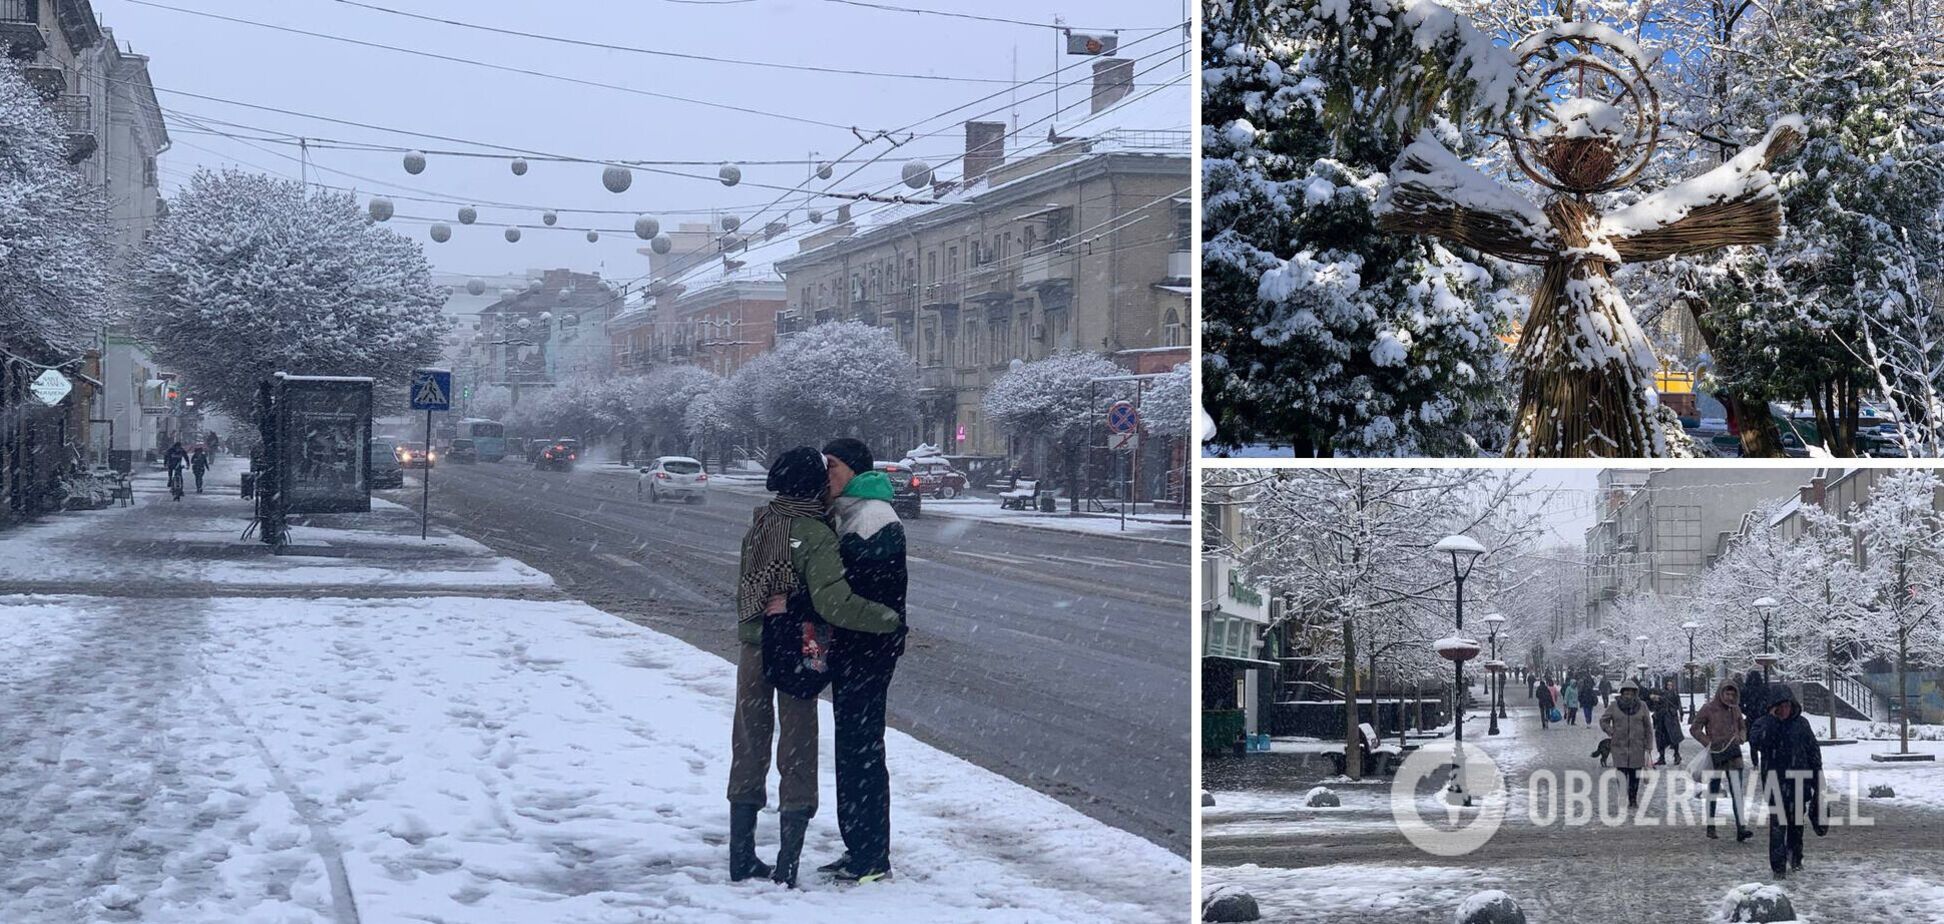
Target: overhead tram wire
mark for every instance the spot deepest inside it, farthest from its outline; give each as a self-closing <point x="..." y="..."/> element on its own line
<point x="665" y="53"/>
<point x="730" y="107"/>
<point x="954" y="14"/>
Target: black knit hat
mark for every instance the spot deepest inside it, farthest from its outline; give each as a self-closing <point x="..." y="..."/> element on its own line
<point x="799" y="472"/>
<point x="852" y="453"/>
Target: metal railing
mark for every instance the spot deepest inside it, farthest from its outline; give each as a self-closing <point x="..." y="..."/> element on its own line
<point x="1857" y="695"/>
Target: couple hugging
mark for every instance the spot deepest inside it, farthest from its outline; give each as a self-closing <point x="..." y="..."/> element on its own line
<point x="820" y="600"/>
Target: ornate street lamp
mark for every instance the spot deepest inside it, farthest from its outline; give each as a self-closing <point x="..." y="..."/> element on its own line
<point x="1495" y="683"/>
<point x="1690" y="627"/>
<point x="1642" y="639"/>
<point x="1464" y="552"/>
<point x="1766" y="606"/>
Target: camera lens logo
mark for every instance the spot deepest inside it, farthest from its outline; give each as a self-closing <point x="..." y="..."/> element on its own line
<point x="1460" y="813"/>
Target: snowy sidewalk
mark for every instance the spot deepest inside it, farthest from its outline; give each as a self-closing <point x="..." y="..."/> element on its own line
<point x="195" y="731"/>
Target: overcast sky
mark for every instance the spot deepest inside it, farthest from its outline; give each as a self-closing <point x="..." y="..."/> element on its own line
<point x="1570" y="496"/>
<point x="322" y="77"/>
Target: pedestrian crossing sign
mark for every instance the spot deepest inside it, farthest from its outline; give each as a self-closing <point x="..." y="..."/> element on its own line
<point x="431" y="389"/>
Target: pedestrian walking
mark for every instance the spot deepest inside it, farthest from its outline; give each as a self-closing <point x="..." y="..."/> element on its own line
<point x="1791" y="762"/>
<point x="1606" y="690"/>
<point x="871" y="541"/>
<point x="1546" y="705"/>
<point x="1666" y="705"/>
<point x="791" y="584"/>
<point x="1588" y="698"/>
<point x="1754" y="703"/>
<point x="175" y="458"/>
<point x="1630" y="730"/>
<point x="199" y="463"/>
<point x="1721" y="728"/>
<point x="1569" y="701"/>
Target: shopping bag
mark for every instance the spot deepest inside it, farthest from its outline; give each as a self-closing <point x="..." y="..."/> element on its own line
<point x="1553" y="715"/>
<point x="1698" y="766"/>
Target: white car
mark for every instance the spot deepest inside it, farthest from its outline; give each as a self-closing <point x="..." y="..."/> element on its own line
<point x="673" y="477"/>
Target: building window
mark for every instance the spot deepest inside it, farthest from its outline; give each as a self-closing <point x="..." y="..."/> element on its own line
<point x="1172" y="331"/>
<point x="1184" y="228"/>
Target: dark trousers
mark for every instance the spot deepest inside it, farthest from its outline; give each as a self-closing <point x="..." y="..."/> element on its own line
<point x="1633" y="784"/>
<point x="199" y="474"/>
<point x="1785" y="841"/>
<point x="858" y="690"/>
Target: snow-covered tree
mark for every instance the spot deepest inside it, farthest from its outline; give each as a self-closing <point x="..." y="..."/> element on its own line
<point x="1902" y="538"/>
<point x="660" y="402"/>
<point x="493" y="402"/>
<point x="250" y="275"/>
<point x="1351" y="553"/>
<point x="53" y="237"/>
<point x="1320" y="331"/>
<point x="1167" y="402"/>
<point x="838" y="379"/>
<point x="1056" y="404"/>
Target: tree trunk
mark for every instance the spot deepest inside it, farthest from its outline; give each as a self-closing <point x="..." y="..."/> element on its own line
<point x="1352" y="747"/>
<point x="1903" y="690"/>
<point x="1072" y="479"/>
<point x="1749" y="409"/>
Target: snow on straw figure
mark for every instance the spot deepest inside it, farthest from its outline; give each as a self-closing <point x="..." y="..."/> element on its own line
<point x="1591" y="124"/>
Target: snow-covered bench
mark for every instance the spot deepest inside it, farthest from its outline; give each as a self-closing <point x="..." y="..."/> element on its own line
<point x="1025" y="495"/>
<point x="1378" y="758"/>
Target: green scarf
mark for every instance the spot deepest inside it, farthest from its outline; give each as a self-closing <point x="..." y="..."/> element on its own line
<point x="872" y="485"/>
<point x="767" y="569"/>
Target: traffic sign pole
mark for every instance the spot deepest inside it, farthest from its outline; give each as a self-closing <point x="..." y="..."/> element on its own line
<point x="431" y="391"/>
<point x="425" y="481"/>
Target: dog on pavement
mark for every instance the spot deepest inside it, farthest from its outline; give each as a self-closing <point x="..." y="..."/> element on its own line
<point x="1604" y="750"/>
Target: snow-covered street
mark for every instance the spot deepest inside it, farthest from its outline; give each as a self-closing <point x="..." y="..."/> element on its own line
<point x="355" y="734"/>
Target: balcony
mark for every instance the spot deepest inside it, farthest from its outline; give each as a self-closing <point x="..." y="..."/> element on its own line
<point x="1181" y="265"/>
<point x="75" y="112"/>
<point x="899" y="307"/>
<point x="939" y="295"/>
<point x="48" y="81"/>
<point x="989" y="282"/>
<point x="1046" y="269"/>
<point x="20" y="29"/>
<point x="936" y="378"/>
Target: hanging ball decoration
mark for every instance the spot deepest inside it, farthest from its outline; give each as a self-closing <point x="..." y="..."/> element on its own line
<point x="533" y="285"/>
<point x="661" y="244"/>
<point x="731" y="222"/>
<point x="442" y="232"/>
<point x="519" y="166"/>
<point x="525" y="324"/>
<point x="593" y="235"/>
<point x="917" y="173"/>
<point x="415" y="163"/>
<point x="816" y="216"/>
<point x="730" y="174"/>
<point x="476" y="286"/>
<point x="467" y="215"/>
<point x="546" y="316"/>
<point x="512" y="235"/>
<point x="823" y="171"/>
<point x="617" y="179"/>
<point x="381" y="209"/>
<point x="647" y="227"/>
<point x="548" y="217"/>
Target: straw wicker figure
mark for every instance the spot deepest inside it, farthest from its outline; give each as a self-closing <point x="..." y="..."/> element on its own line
<point x="1591" y="124"/>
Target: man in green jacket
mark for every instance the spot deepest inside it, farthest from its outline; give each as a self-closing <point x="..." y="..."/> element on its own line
<point x="793" y="575"/>
<point x="871" y="541"/>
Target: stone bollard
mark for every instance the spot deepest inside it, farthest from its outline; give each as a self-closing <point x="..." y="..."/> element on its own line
<point x="1229" y="904"/>
<point x="1490" y="907"/>
<point x="1322" y="797"/>
<point x="1207" y="800"/>
<point x="1757" y="903"/>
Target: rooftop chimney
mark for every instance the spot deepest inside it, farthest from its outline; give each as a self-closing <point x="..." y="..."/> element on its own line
<point x="985" y="148"/>
<point x="1113" y="80"/>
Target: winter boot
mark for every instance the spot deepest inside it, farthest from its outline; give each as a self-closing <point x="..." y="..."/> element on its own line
<point x="1743" y="834"/>
<point x="742" y="844"/>
<point x="835" y="865"/>
<point x="794" y="825"/>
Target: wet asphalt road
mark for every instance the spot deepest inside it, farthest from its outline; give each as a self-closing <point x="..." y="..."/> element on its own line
<point x="1057" y="660"/>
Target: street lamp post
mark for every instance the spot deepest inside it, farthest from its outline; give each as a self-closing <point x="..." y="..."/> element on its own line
<point x="1642" y="639"/>
<point x="1689" y="628"/>
<point x="1766" y="606"/>
<point x="1464" y="552"/>
<point x="1495" y="681"/>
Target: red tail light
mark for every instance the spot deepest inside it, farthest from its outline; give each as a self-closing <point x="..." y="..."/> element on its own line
<point x="704" y="476"/>
<point x="572" y="456"/>
<point x="662" y="475"/>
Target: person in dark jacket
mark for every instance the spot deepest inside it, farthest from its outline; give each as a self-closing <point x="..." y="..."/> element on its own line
<point x="1588" y="697"/>
<point x="199" y="463"/>
<point x="1754" y="704"/>
<point x="791" y="579"/>
<point x="1791" y="762"/>
<point x="1546" y="704"/>
<point x="872" y="543"/>
<point x="1667" y="723"/>
<point x="1606" y="689"/>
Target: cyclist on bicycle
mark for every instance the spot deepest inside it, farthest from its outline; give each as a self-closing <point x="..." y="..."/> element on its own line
<point x="175" y="459"/>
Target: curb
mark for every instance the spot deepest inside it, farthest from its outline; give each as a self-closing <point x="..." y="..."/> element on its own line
<point x="732" y="486"/>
